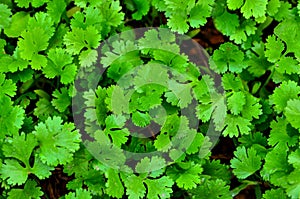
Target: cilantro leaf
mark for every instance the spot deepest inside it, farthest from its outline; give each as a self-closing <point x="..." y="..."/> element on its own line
<point x="11" y="117"/>
<point x="139" y="7"/>
<point x="14" y="150"/>
<point x="34" y="3"/>
<point x="274" y="48"/>
<point x="228" y="57"/>
<point x="200" y="13"/>
<point x="156" y="188"/>
<point x="114" y="128"/>
<point x="62" y="99"/>
<point x="114" y="185"/>
<point x="60" y="63"/>
<point x="79" y="194"/>
<point x="147" y="165"/>
<point x="227" y="28"/>
<point x="282" y="94"/>
<point x="44" y="21"/>
<point x="212" y="189"/>
<point x="273" y="7"/>
<point x="18" y="24"/>
<point x="32" y="42"/>
<point x="44" y="109"/>
<point x="30" y="190"/>
<point x="236" y="102"/>
<point x="280" y="134"/>
<point x="135" y="188"/>
<point x="255" y="8"/>
<point x="288" y="32"/>
<point x="252" y="109"/>
<point x="12" y="170"/>
<point x="287" y="65"/>
<point x="7" y="87"/>
<point x="141" y="119"/>
<point x="293" y="190"/>
<point x="79" y="38"/>
<point x="292" y="112"/>
<point x="236" y="125"/>
<point x="234" y="4"/>
<point x="246" y="162"/>
<point x="274" y="194"/>
<point x="5" y="18"/>
<point x="159" y="188"/>
<point x="55" y="9"/>
<point x="180" y="94"/>
<point x="187" y="178"/>
<point x="57" y="141"/>
<point x="276" y="171"/>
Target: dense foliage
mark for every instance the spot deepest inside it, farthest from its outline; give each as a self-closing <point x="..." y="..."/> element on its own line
<point x="46" y="46"/>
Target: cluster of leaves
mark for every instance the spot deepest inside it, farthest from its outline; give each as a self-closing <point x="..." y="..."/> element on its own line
<point x="148" y="83"/>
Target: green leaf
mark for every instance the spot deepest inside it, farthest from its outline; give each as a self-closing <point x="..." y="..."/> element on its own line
<point x="234" y="4"/>
<point x="230" y="27"/>
<point x="292" y="112"/>
<point x="287" y="65"/>
<point x="212" y="189"/>
<point x="7" y="87"/>
<point x="274" y="47"/>
<point x="88" y="57"/>
<point x="32" y="42"/>
<point x="5" y="18"/>
<point x="245" y="163"/>
<point x="200" y="13"/>
<point x="293" y="188"/>
<point x="57" y="141"/>
<point x="62" y="99"/>
<point x="163" y="142"/>
<point x="30" y="190"/>
<point x="252" y="109"/>
<point x="159" y="188"/>
<point x="294" y="159"/>
<point x="42" y="20"/>
<point x="228" y="57"/>
<point x="60" y="63"/>
<point x="79" y="194"/>
<point x="273" y="7"/>
<point x="14" y="150"/>
<point x="114" y="185"/>
<point x="279" y="133"/>
<point x="135" y="189"/>
<point x="276" y="171"/>
<point x="235" y="126"/>
<point x="274" y="194"/>
<point x="236" y="102"/>
<point x="288" y="32"/>
<point x="78" y="38"/>
<point x="282" y="94"/>
<point x="18" y="24"/>
<point x="196" y="144"/>
<point x="44" y="109"/>
<point x="34" y="3"/>
<point x="114" y="128"/>
<point x="179" y="94"/>
<point x="255" y="8"/>
<point x="55" y="9"/>
<point x="147" y="165"/>
<point x="188" y="178"/>
<point x="141" y="119"/>
<point x="140" y="8"/>
<point x="12" y="170"/>
<point x="217" y="170"/>
<point x="11" y="117"/>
